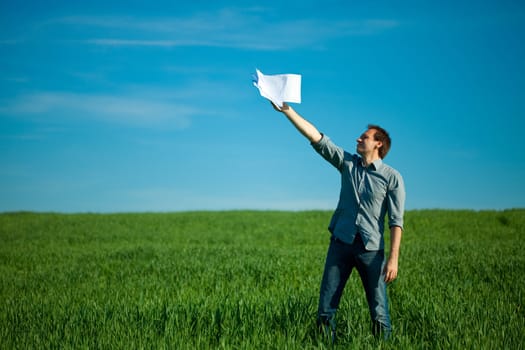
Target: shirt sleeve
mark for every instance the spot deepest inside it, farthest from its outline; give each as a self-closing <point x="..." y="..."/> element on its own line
<point x="330" y="151"/>
<point x="396" y="201"/>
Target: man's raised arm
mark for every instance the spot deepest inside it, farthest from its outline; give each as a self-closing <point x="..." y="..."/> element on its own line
<point x="305" y="127"/>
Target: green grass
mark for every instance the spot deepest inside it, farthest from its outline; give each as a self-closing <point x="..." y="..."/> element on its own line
<point x="250" y="280"/>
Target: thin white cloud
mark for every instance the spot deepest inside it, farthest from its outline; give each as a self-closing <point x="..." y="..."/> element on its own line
<point x="37" y="134"/>
<point x="130" y="109"/>
<point x="233" y="28"/>
<point x="128" y="42"/>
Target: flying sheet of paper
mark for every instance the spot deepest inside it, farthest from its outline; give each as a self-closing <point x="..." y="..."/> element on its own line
<point x="279" y="88"/>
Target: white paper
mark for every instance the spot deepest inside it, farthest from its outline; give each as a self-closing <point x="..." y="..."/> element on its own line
<point x="279" y="88"/>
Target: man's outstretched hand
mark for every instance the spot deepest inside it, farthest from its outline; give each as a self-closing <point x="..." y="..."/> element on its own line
<point x="280" y="109"/>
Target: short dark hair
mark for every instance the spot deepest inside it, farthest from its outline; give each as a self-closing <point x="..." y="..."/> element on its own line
<point x="382" y="136"/>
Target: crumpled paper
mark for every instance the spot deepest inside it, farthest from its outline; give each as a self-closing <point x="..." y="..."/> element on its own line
<point x="278" y="88"/>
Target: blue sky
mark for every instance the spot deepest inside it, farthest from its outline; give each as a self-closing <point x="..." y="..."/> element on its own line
<point x="119" y="106"/>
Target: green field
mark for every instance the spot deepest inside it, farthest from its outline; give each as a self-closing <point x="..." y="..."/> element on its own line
<point x="250" y="280"/>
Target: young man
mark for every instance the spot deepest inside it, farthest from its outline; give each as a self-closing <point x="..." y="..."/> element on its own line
<point x="369" y="190"/>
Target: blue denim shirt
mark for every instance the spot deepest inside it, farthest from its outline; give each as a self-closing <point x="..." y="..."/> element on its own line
<point x="367" y="194"/>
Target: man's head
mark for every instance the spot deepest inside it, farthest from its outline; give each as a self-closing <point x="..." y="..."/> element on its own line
<point x="375" y="138"/>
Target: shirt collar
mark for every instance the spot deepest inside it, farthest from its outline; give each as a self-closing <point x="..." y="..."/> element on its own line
<point x="375" y="165"/>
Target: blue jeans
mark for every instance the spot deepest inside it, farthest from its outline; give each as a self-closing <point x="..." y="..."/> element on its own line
<point x="340" y="261"/>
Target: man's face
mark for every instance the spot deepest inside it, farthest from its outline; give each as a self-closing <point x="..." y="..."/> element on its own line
<point x="366" y="144"/>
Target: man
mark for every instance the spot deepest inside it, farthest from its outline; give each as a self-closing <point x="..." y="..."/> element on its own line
<point x="369" y="190"/>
